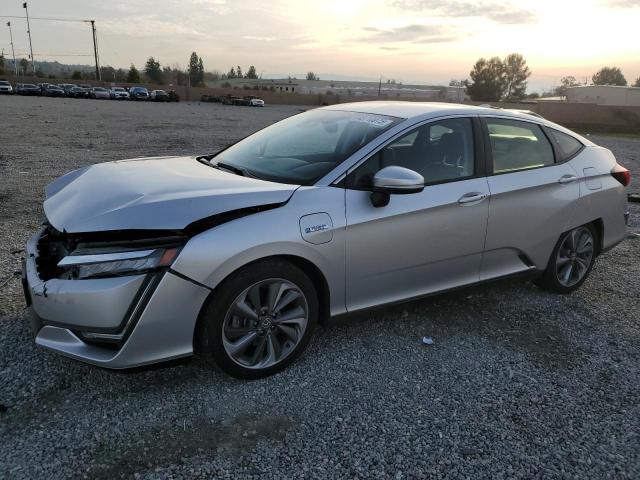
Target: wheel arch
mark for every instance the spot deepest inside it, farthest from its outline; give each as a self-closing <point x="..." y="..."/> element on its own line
<point x="308" y="267"/>
<point x="598" y="225"/>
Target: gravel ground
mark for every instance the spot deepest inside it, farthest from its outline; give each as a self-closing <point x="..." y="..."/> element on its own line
<point x="519" y="383"/>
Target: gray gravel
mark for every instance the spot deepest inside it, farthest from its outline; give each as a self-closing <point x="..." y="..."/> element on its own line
<point x="519" y="383"/>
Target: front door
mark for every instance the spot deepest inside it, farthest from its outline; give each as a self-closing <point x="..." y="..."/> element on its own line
<point x="423" y="242"/>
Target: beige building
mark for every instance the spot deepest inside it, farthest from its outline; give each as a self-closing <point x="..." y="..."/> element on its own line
<point x="605" y="95"/>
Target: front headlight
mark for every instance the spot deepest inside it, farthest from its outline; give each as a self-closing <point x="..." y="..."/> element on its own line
<point x="86" y="264"/>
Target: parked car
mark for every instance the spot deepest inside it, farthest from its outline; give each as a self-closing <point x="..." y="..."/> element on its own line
<point x="42" y="87"/>
<point x="119" y="93"/>
<point x="256" y="102"/>
<point x="53" y="91"/>
<point x="210" y="98"/>
<point x="5" y="88"/>
<point x="67" y="87"/>
<point x="239" y="254"/>
<point x="27" y="89"/>
<point x="138" y="93"/>
<point x="231" y="100"/>
<point x="159" y="96"/>
<point x="173" y="96"/>
<point x="99" y="93"/>
<point x="78" y="92"/>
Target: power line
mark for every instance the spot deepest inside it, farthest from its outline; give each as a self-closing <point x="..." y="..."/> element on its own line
<point x="47" y="18"/>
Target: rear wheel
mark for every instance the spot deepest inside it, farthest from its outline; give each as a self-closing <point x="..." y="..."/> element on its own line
<point x="571" y="260"/>
<point x="259" y="320"/>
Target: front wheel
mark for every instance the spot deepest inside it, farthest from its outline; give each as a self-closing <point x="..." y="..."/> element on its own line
<point x="571" y="260"/>
<point x="259" y="320"/>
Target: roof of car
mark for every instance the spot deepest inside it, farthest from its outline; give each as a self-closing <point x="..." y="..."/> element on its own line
<point x="426" y="110"/>
<point x="418" y="109"/>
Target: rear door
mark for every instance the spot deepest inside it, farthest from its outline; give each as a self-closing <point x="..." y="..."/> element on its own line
<point x="533" y="195"/>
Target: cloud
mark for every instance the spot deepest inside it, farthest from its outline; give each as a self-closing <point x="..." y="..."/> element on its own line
<point x="623" y="3"/>
<point x="259" y="39"/>
<point x="414" y="33"/>
<point x="498" y="12"/>
<point x="149" y="26"/>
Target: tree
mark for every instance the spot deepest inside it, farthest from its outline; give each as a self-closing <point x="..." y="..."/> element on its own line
<point x="134" y="75"/>
<point x="108" y="74"/>
<point x="24" y="64"/>
<point x="489" y="80"/>
<point x="459" y="83"/>
<point x="251" y="73"/>
<point x="120" y="75"/>
<point x="196" y="70"/>
<point x="1" y="64"/>
<point x="516" y="74"/>
<point x="153" y="71"/>
<point x="565" y="84"/>
<point x="312" y="76"/>
<point x="77" y="75"/>
<point x="609" y="76"/>
<point x="239" y="72"/>
<point x="232" y="73"/>
<point x="200" y="72"/>
<point x="637" y="84"/>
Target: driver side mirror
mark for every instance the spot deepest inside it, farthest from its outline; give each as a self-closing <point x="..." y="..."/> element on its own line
<point x="394" y="180"/>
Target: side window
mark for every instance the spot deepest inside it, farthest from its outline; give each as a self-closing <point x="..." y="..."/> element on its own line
<point x="566" y="145"/>
<point x="518" y="145"/>
<point x="440" y="151"/>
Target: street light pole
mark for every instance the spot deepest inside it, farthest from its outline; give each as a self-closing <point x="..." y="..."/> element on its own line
<point x="33" y="65"/>
<point x="95" y="49"/>
<point x="13" y="52"/>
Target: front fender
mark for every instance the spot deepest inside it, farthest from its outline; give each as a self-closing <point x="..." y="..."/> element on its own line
<point x="213" y="255"/>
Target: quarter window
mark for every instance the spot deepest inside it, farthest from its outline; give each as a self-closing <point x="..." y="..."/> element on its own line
<point x="518" y="145"/>
<point x="566" y="145"/>
<point x="440" y="151"/>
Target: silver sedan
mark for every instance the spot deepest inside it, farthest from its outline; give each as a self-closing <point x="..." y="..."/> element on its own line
<point x="237" y="255"/>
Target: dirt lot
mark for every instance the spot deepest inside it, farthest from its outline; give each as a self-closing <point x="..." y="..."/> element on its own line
<point x="519" y="384"/>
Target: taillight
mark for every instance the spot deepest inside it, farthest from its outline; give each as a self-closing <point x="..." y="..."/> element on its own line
<point x="621" y="174"/>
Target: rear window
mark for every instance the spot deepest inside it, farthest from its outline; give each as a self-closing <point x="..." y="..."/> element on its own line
<point x="517" y="145"/>
<point x="566" y="145"/>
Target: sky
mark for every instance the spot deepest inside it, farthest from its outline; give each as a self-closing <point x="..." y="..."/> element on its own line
<point x="413" y="41"/>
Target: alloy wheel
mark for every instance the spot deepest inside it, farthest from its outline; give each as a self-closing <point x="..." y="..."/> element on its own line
<point x="575" y="256"/>
<point x="265" y="323"/>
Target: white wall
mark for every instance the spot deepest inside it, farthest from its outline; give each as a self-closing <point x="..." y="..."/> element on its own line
<point x="605" y="95"/>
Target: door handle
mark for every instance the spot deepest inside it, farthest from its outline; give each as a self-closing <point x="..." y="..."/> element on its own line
<point x="567" y="179"/>
<point x="472" y="198"/>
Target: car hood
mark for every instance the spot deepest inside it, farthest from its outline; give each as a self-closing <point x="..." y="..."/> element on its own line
<point x="159" y="193"/>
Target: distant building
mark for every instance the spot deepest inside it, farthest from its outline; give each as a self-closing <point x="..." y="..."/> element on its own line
<point x="605" y="95"/>
<point x="387" y="90"/>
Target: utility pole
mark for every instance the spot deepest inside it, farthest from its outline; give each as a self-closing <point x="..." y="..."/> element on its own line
<point x="33" y="65"/>
<point x="95" y="48"/>
<point x="13" y="52"/>
<point x="380" y="85"/>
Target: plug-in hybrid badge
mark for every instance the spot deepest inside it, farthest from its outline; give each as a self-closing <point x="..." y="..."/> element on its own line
<point x="316" y="228"/>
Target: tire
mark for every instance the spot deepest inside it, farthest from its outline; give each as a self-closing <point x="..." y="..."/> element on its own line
<point x="259" y="320"/>
<point x="571" y="261"/>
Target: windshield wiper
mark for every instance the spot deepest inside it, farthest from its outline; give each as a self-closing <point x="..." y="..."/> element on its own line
<point x="232" y="168"/>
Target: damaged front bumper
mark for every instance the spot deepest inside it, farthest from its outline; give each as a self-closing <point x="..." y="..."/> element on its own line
<point x="115" y="322"/>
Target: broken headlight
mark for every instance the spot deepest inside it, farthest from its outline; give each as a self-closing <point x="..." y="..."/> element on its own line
<point x="85" y="263"/>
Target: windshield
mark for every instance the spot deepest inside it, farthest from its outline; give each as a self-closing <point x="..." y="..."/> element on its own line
<point x="303" y="148"/>
<point x="4" y="82"/>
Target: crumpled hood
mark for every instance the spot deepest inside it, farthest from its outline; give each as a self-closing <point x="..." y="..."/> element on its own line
<point x="160" y="193"/>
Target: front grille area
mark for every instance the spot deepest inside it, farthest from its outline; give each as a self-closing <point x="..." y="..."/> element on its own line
<point x="53" y="246"/>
